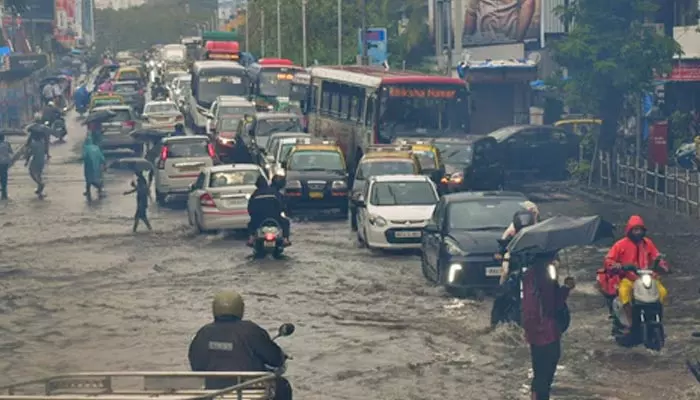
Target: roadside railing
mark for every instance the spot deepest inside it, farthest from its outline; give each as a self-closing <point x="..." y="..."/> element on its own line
<point x="665" y="187"/>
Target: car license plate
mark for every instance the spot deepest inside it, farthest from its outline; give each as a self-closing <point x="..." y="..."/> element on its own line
<point x="316" y="195"/>
<point x="493" y="271"/>
<point x="189" y="169"/>
<point x="413" y="234"/>
<point x="269" y="244"/>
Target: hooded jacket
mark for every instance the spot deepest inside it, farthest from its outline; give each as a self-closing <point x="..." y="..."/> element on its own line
<point x="93" y="162"/>
<point x="627" y="252"/>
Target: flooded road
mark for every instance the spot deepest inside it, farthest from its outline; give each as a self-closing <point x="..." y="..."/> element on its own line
<point x="81" y="292"/>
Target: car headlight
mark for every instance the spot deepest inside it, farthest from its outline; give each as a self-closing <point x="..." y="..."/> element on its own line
<point x="377" y="221"/>
<point x="339" y="185"/>
<point x="452" y="273"/>
<point x="453" y="249"/>
<point x="293" y="185"/>
<point x="647" y="281"/>
<point x="552" y="272"/>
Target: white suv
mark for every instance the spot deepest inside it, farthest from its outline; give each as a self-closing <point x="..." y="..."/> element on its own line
<point x="393" y="209"/>
<point x="181" y="160"/>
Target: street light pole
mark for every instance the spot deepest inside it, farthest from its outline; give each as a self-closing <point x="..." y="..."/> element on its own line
<point x="303" y="33"/>
<point x="279" y="31"/>
<point x="340" y="32"/>
<point x="262" y="34"/>
<point x="363" y="57"/>
<point x="247" y="34"/>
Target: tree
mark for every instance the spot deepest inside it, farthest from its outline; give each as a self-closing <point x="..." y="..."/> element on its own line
<point x="322" y="28"/>
<point x="610" y="55"/>
<point x="140" y="27"/>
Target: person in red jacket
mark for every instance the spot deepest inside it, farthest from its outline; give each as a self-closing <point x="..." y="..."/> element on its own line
<point x="634" y="249"/>
<point x="542" y="305"/>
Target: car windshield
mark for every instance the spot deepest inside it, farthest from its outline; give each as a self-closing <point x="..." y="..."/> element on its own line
<point x="189" y="148"/>
<point x="503" y="133"/>
<point x="161" y="108"/>
<point x="369" y="169"/>
<point x="121" y="115"/>
<point x="233" y="178"/>
<point x="316" y="161"/>
<point x="456" y="153"/>
<point x="170" y="76"/>
<point x="266" y="127"/>
<point x="403" y="194"/>
<point x="184" y="84"/>
<point x="275" y="83"/>
<point x="426" y="159"/>
<point x="232" y="110"/>
<point x="228" y="124"/>
<point x="483" y="214"/>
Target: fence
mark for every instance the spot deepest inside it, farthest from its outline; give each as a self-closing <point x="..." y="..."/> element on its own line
<point x="672" y="188"/>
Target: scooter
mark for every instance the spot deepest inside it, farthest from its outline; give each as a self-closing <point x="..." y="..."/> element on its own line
<point x="646" y="326"/>
<point x="268" y="240"/>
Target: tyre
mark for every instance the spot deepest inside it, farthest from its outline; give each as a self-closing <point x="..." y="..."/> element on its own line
<point x="277" y="254"/>
<point x="426" y="270"/>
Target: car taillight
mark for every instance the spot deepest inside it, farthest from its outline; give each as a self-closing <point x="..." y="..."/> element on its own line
<point x="129" y="124"/>
<point x="269" y="236"/>
<point x="206" y="200"/>
<point x="163" y="157"/>
<point x="211" y="150"/>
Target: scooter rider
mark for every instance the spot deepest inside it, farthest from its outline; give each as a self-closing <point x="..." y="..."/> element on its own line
<point x="51" y="113"/>
<point x="179" y="130"/>
<point x="157" y="90"/>
<point x="521" y="219"/>
<point x="231" y="344"/>
<point x="266" y="203"/>
<point x="634" y="249"/>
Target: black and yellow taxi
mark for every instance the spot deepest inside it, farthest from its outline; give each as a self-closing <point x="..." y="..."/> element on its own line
<point x="316" y="176"/>
<point x="106" y="99"/>
<point x="428" y="155"/>
<point x="381" y="160"/>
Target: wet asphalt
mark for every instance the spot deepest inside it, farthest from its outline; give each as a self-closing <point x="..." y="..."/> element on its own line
<point x="80" y="292"/>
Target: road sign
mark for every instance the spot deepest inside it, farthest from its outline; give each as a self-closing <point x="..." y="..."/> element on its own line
<point x="376" y="45"/>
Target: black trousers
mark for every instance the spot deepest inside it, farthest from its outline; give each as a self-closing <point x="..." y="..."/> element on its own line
<point x="544" y="366"/>
<point x="4" y="168"/>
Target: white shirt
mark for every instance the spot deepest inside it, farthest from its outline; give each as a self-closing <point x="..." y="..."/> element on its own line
<point x="57" y="90"/>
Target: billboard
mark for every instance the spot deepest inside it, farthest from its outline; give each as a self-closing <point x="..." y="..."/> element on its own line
<point x="489" y="22"/>
<point x="65" y="22"/>
<point x="40" y="11"/>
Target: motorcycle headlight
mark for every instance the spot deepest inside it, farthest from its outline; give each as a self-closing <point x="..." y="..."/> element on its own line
<point x="647" y="281"/>
<point x="377" y="221"/>
<point x="453" y="249"/>
<point x="293" y="185"/>
<point x="552" y="272"/>
<point x="339" y="185"/>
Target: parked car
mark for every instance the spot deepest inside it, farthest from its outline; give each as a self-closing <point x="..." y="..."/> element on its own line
<point x="218" y="199"/>
<point x="181" y="160"/>
<point x="162" y="115"/>
<point x="536" y="149"/>
<point x="117" y="130"/>
<point x="473" y="163"/>
<point x="461" y="239"/>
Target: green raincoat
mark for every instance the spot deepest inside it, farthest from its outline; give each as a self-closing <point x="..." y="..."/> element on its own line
<point x="93" y="163"/>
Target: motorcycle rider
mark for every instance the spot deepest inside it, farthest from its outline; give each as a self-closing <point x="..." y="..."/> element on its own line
<point x="233" y="344"/>
<point x="157" y="89"/>
<point x="51" y="113"/>
<point x="266" y="202"/>
<point x="634" y="249"/>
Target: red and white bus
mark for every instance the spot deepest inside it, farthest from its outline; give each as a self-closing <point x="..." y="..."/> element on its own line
<point x="360" y="106"/>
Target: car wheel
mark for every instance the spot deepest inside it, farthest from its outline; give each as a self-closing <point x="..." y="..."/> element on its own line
<point x="429" y="275"/>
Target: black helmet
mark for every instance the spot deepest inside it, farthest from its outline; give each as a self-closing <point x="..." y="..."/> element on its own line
<point x="261" y="182"/>
<point x="523" y="218"/>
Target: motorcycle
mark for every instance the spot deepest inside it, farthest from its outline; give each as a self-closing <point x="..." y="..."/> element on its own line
<point x="646" y="326"/>
<point x="268" y="239"/>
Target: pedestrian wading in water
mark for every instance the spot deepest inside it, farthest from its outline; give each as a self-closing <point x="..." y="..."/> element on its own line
<point x="37" y="155"/>
<point x="140" y="187"/>
<point x="93" y="166"/>
<point x="5" y="162"/>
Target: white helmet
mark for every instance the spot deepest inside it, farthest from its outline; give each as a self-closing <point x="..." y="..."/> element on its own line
<point x="52" y="104"/>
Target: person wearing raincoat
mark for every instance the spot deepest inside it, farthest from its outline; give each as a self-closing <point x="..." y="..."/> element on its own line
<point x="81" y="98"/>
<point x="93" y="166"/>
<point x="95" y="132"/>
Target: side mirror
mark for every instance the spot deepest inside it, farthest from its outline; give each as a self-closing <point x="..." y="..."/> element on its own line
<point x="286" y="330"/>
<point x="191" y="187"/>
<point x="431" y="228"/>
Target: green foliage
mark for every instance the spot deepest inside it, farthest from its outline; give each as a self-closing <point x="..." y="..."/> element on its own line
<point x="578" y="170"/>
<point x="140" y="27"/>
<point x="609" y="54"/>
<point x="679" y="129"/>
<point x="322" y="29"/>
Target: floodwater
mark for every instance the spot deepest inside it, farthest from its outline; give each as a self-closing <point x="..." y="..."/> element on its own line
<point x="80" y="292"/>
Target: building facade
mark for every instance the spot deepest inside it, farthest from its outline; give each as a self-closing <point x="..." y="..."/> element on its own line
<point x="118" y="4"/>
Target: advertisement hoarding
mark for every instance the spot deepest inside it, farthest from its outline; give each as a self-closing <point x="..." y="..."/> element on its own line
<point x="65" y="21"/>
<point x="78" y="22"/>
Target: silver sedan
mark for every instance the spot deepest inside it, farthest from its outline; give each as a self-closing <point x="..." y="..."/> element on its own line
<point x="162" y="115"/>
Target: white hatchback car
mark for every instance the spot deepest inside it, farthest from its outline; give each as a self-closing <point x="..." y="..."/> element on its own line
<point x="180" y="161"/>
<point x="219" y="198"/>
<point x="394" y="209"/>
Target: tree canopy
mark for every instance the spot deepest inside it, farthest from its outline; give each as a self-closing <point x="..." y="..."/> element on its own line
<point x="322" y="28"/>
<point x="610" y="54"/>
<point x="140" y="27"/>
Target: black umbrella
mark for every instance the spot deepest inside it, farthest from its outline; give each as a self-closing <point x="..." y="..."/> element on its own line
<point x="136" y="164"/>
<point x="100" y="116"/>
<point x="41" y="129"/>
<point x="556" y="233"/>
<point x="148" y="135"/>
<point x="13" y="132"/>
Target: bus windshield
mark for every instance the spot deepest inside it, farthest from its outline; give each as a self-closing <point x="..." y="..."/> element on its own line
<point x="212" y="83"/>
<point x="275" y="82"/>
<point x="422" y="110"/>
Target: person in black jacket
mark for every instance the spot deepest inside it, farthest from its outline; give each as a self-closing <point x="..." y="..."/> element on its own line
<point x="236" y="345"/>
<point x="266" y="202"/>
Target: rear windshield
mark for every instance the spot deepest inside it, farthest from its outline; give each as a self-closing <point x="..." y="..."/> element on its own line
<point x="129" y="75"/>
<point x="107" y="101"/>
<point x="267" y="127"/>
<point x="234" y="178"/>
<point x="161" y="108"/>
<point x="126" y="87"/>
<point x="122" y="115"/>
<point x="193" y="148"/>
<point x="236" y="110"/>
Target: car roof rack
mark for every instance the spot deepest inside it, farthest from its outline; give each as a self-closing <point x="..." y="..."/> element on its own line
<point x="136" y="385"/>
